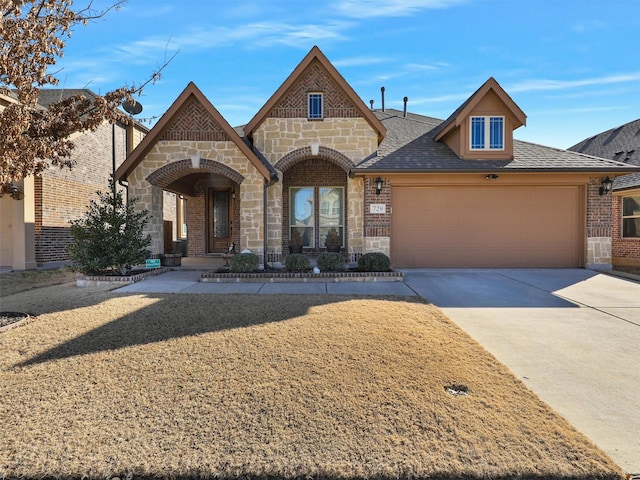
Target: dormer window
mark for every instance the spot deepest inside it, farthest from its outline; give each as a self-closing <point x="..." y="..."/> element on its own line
<point x="315" y="106"/>
<point x="487" y="133"/>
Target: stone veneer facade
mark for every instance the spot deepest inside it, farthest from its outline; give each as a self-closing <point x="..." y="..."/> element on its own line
<point x="216" y="157"/>
<point x="287" y="142"/>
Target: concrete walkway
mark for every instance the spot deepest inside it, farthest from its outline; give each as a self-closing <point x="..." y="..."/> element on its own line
<point x="187" y="281"/>
<point x="571" y="335"/>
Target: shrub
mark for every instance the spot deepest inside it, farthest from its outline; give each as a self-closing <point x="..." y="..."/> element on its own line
<point x="374" y="262"/>
<point x="330" y="261"/>
<point x="297" y="262"/>
<point x="110" y="236"/>
<point x="244" y="263"/>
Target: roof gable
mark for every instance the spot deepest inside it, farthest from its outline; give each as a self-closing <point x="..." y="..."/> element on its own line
<point x="464" y="110"/>
<point x="315" y="73"/>
<point x="191" y="117"/>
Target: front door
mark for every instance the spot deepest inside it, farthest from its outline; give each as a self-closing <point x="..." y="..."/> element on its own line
<point x="219" y="220"/>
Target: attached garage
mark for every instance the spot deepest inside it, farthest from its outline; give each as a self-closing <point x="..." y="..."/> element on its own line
<point x="489" y="226"/>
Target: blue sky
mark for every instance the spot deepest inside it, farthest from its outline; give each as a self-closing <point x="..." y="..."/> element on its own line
<point x="573" y="66"/>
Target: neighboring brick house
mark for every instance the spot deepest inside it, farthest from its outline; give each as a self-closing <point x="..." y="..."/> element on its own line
<point x="623" y="145"/>
<point x="427" y="192"/>
<point x="35" y="231"/>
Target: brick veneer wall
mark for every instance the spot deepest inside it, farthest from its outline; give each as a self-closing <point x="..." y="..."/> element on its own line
<point x="62" y="195"/>
<point x="599" y="221"/>
<point x="625" y="251"/>
<point x="377" y="226"/>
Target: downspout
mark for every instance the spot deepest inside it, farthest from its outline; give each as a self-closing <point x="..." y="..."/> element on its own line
<point x="265" y="220"/>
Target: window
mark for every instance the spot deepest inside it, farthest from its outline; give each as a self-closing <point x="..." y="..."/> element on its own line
<point x="307" y="218"/>
<point x="631" y="216"/>
<point x="315" y="106"/>
<point x="331" y="212"/>
<point x="182" y="217"/>
<point x="301" y="218"/>
<point x="487" y="133"/>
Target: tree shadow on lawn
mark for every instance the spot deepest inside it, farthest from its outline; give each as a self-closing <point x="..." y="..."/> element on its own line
<point x="176" y="316"/>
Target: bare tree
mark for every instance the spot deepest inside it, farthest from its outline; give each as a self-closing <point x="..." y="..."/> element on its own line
<point x="33" y="35"/>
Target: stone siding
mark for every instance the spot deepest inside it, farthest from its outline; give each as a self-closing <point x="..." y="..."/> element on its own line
<point x="353" y="137"/>
<point x="215" y="157"/>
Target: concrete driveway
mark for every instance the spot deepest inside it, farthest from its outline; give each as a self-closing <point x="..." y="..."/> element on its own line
<point x="571" y="335"/>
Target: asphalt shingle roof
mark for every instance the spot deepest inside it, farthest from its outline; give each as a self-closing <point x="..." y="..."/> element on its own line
<point x="622" y="144"/>
<point x="409" y="146"/>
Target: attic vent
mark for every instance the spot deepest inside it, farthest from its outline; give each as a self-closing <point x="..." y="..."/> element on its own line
<point x="618" y="156"/>
<point x="613" y="135"/>
<point x="629" y="155"/>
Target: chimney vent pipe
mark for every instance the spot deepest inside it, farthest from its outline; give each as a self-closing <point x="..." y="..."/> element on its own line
<point x="371" y="102"/>
<point x="382" y="91"/>
<point x="405" y="99"/>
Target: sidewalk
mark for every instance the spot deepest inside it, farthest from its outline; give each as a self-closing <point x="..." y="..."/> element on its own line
<point x="187" y="281"/>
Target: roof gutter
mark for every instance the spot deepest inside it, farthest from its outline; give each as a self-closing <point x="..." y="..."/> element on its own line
<point x="391" y="171"/>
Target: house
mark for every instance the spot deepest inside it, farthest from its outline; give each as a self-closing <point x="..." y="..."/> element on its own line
<point x="623" y="145"/>
<point x="428" y="193"/>
<point x="35" y="229"/>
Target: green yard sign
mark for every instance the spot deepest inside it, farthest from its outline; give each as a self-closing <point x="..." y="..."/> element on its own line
<point x="153" y="263"/>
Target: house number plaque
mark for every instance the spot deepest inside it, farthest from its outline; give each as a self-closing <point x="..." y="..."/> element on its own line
<point x="377" y="208"/>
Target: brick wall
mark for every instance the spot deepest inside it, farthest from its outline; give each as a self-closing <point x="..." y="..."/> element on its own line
<point x="625" y="251"/>
<point x="599" y="216"/>
<point x="62" y="195"/>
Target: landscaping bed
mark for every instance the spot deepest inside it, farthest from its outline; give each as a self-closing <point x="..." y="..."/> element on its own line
<point x="101" y="384"/>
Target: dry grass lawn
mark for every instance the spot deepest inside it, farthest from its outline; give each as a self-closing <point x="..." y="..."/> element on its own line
<point x="200" y="386"/>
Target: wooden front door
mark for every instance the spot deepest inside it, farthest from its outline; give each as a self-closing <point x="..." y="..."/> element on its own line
<point x="219" y="220"/>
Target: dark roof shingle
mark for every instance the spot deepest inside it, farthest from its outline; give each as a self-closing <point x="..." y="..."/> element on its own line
<point x="410" y="146"/>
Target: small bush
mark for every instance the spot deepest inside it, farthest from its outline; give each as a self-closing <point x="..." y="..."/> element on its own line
<point x="374" y="262"/>
<point x="297" y="263"/>
<point x="331" y="261"/>
<point x="244" y="263"/>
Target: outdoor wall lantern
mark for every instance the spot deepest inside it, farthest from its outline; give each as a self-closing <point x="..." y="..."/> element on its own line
<point x="13" y="190"/>
<point x="379" y="183"/>
<point x="607" y="184"/>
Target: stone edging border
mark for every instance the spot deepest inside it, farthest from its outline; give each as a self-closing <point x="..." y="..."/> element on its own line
<point x="326" y="277"/>
<point x="268" y="277"/>
<point x="19" y="323"/>
<point x="95" y="280"/>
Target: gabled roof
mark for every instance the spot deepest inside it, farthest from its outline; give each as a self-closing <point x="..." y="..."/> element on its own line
<point x="465" y="109"/>
<point x="410" y="147"/>
<point x="621" y="144"/>
<point x="189" y="93"/>
<point x="315" y="54"/>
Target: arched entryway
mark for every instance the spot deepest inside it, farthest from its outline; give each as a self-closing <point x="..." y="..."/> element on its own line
<point x="208" y="197"/>
<point x="314" y="197"/>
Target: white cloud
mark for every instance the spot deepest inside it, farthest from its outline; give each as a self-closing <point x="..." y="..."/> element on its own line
<point x="546" y="84"/>
<point x="389" y="8"/>
<point x="359" y="61"/>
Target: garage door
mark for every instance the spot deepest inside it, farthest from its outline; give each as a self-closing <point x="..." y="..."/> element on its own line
<point x="478" y="227"/>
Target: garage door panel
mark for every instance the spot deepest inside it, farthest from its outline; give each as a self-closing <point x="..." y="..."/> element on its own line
<point x="486" y="227"/>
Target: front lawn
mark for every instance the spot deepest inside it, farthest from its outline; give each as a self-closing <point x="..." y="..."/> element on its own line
<point x="186" y="386"/>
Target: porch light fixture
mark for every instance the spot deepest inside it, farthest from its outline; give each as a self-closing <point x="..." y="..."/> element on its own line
<point x="13" y="190"/>
<point x="606" y="186"/>
<point x="379" y="183"/>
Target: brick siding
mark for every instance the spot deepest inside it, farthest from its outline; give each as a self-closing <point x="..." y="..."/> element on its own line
<point x="625" y="251"/>
<point x="62" y="195"/>
<point x="315" y="79"/>
<point x="377" y="224"/>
